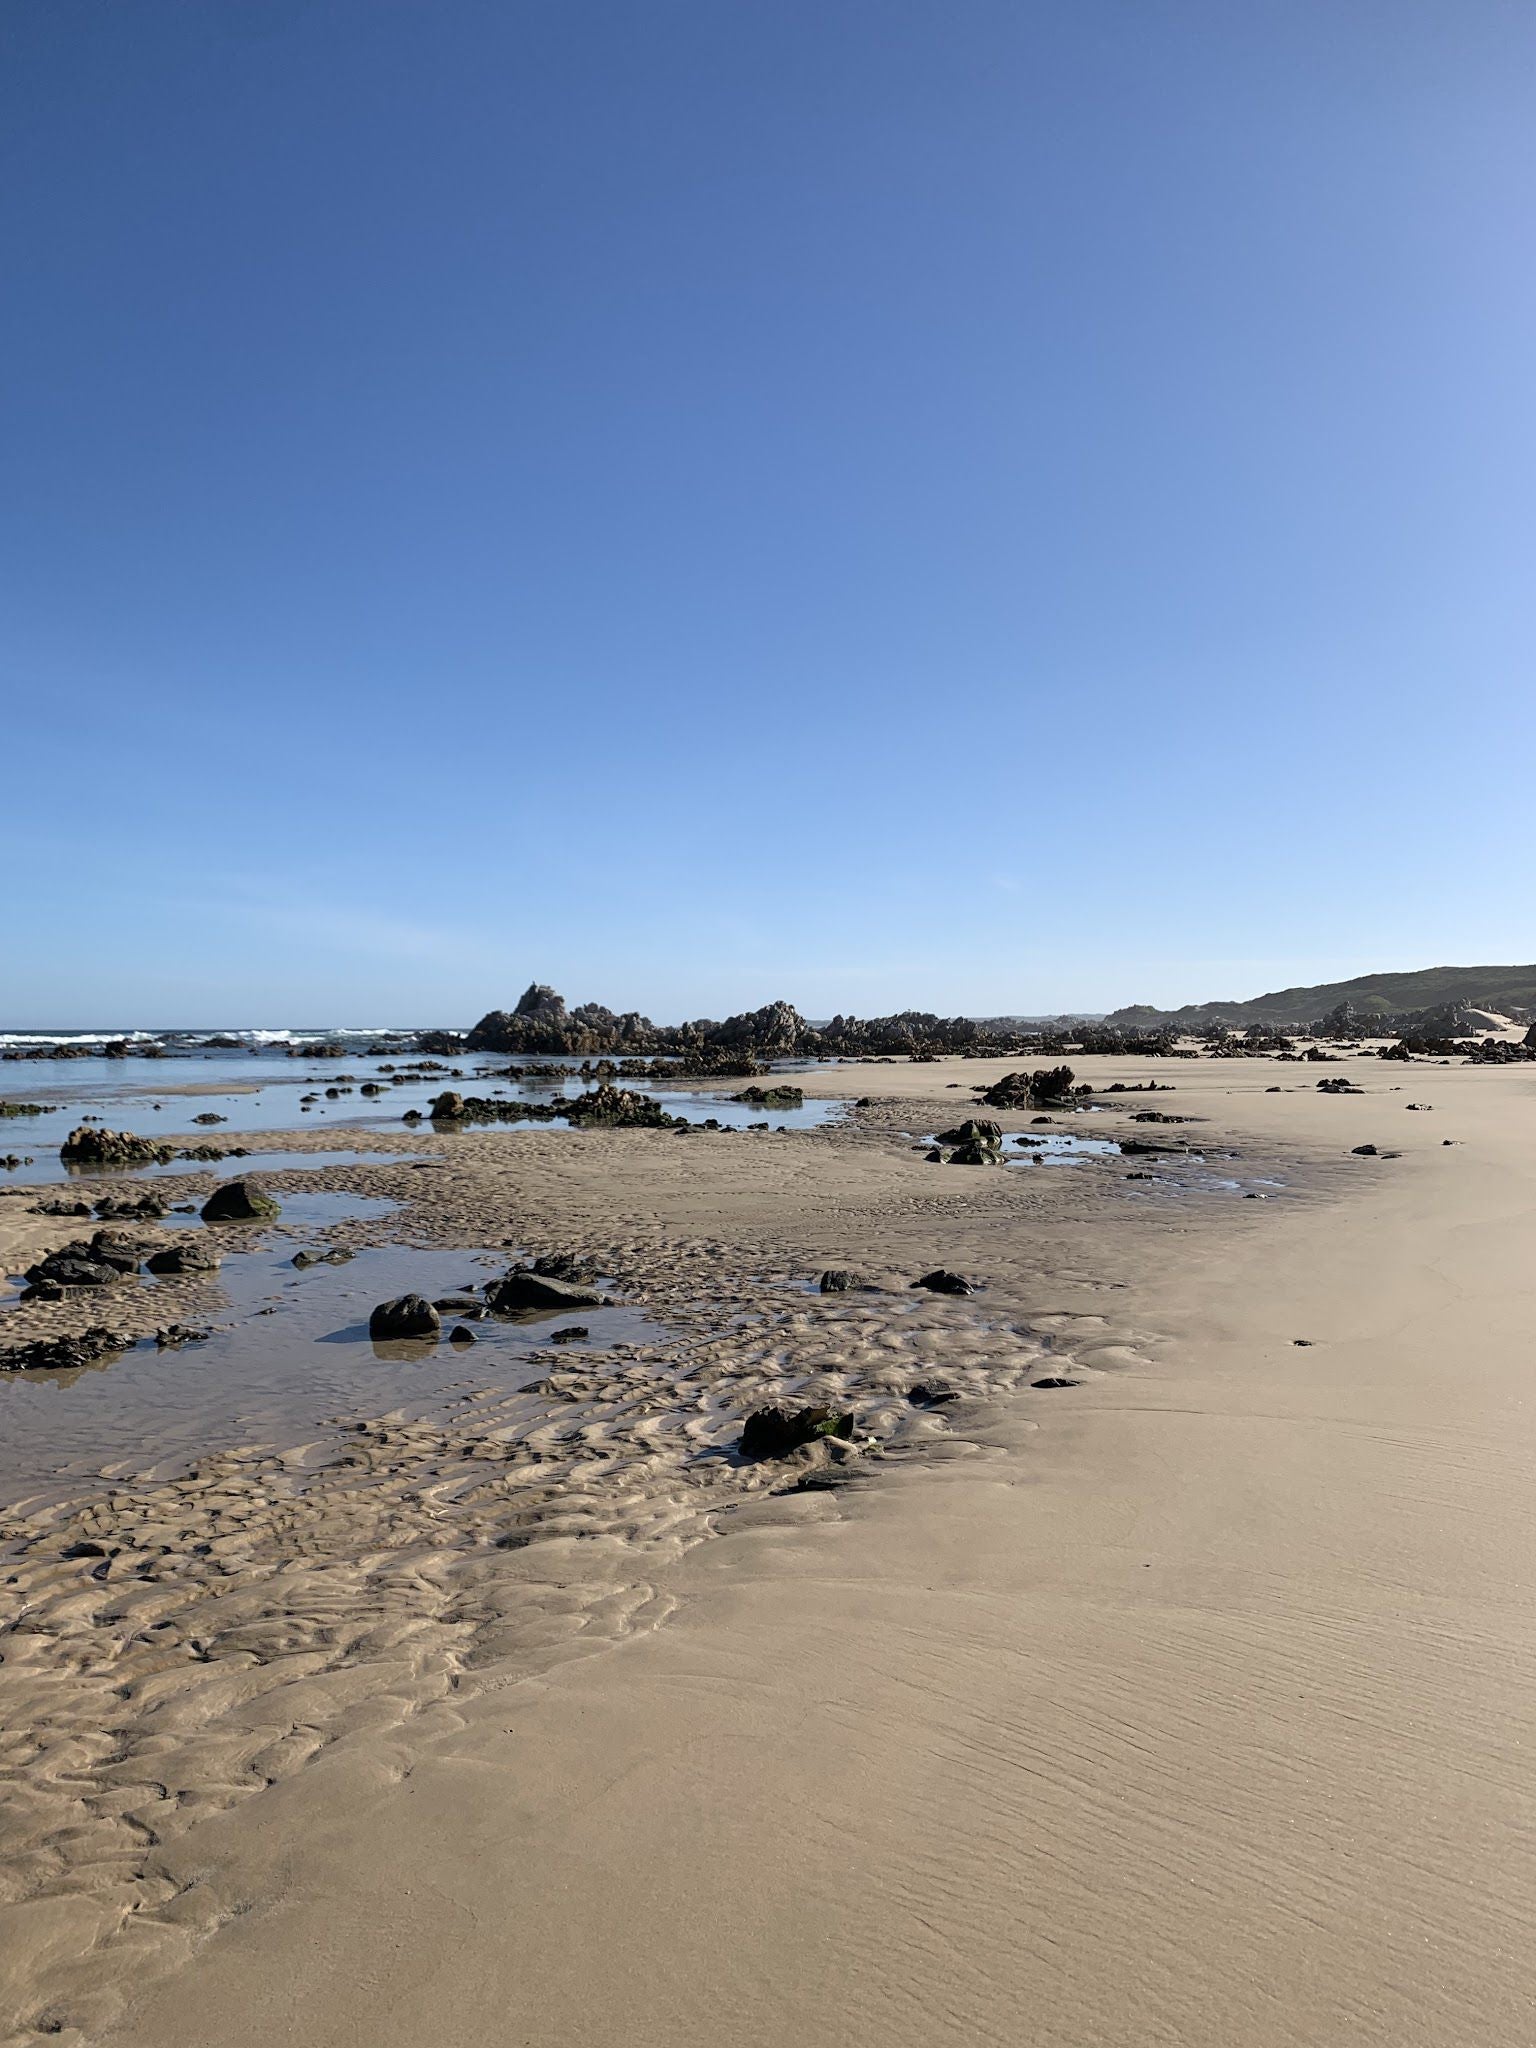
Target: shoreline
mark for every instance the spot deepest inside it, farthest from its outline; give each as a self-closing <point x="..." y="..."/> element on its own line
<point x="1071" y="1290"/>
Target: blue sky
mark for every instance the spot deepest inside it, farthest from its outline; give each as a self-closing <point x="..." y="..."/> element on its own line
<point x="987" y="506"/>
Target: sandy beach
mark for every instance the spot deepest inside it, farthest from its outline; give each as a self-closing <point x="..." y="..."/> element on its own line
<point x="1181" y="1703"/>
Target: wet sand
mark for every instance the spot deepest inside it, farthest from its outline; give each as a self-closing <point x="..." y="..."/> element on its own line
<point x="1186" y="1703"/>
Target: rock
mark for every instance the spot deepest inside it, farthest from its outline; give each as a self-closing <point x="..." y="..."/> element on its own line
<point x="930" y="1397"/>
<point x="191" y="1255"/>
<point x="130" y="1208"/>
<point x="836" y="1281"/>
<point x="174" y="1335"/>
<point x="210" y="1116"/>
<point x="974" y="1131"/>
<point x="941" y="1282"/>
<point x="523" y="1288"/>
<point x="23" y="1109"/>
<point x="563" y="1266"/>
<point x="782" y="1097"/>
<point x="240" y="1201"/>
<point x="461" y="1335"/>
<point x="976" y="1155"/>
<point x="61" y="1205"/>
<point x="1046" y="1085"/>
<point x="775" y="1432"/>
<point x="1364" y="1151"/>
<point x="934" y="1156"/>
<point x="1337" y="1084"/>
<point x="1055" y="1380"/>
<point x="447" y="1108"/>
<point x="409" y="1315"/>
<point x="92" y="1146"/>
<point x="125" y="1249"/>
<point x="63" y="1354"/>
<point x="572" y="1333"/>
<point x="73" y="1265"/>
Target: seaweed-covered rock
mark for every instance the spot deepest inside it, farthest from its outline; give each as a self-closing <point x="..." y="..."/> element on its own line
<point x="775" y="1432"/>
<point x="974" y="1131"/>
<point x="240" y="1201"/>
<point x="409" y="1315"/>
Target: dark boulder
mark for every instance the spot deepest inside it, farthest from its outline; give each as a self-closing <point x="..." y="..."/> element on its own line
<point x="974" y="1131"/>
<point x="941" y="1282"/>
<point x="522" y="1288"/>
<point x="240" y="1201"/>
<point x="837" y="1281"/>
<point x="72" y="1265"/>
<point x="409" y="1315"/>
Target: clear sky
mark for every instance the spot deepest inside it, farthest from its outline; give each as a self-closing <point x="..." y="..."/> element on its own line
<point x="982" y="504"/>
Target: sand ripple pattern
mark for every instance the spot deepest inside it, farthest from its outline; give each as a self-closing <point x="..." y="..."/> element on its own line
<point x="172" y="1645"/>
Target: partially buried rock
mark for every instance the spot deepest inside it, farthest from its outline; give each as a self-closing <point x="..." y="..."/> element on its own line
<point x="1364" y="1151"/>
<point x="775" y="1432"/>
<point x="522" y="1288"/>
<point x="194" y="1255"/>
<point x="941" y="1282"/>
<point x="572" y="1333"/>
<point x="409" y="1315"/>
<point x="836" y="1281"/>
<point x="239" y="1201"/>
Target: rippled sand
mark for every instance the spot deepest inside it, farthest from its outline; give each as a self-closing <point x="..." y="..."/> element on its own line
<point x="1182" y="1702"/>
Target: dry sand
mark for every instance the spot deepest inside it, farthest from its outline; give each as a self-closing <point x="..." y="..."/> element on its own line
<point x="1186" y="1704"/>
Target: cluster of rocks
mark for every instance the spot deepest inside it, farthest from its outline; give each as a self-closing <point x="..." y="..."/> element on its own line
<point x="63" y="1354"/>
<point x="977" y="1142"/>
<point x="555" y="1281"/>
<point x="542" y="1023"/>
<point x="23" y="1109"/>
<point x="114" y="1254"/>
<point x="1045" y="1088"/>
<point x="606" y="1107"/>
<point x="91" y="1145"/>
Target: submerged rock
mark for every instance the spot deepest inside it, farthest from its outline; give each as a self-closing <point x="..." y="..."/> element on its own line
<point x="409" y="1315"/>
<point x="240" y="1201"/>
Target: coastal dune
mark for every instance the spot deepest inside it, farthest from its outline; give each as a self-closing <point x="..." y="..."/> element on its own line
<point x="1186" y="1703"/>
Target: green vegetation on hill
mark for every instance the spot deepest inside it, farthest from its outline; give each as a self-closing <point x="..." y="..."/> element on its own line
<point x="1387" y="995"/>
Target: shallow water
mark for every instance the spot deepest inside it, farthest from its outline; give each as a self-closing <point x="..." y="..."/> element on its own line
<point x="289" y="1352"/>
<point x="259" y="1093"/>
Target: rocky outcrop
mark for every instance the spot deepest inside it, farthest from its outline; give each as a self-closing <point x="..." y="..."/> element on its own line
<point x="1045" y="1088"/>
<point x="90" y="1145"/>
<point x="602" y="1106"/>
